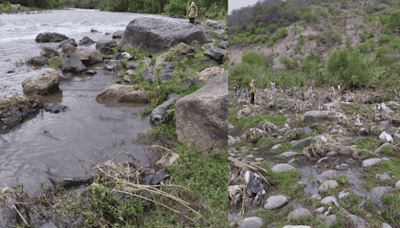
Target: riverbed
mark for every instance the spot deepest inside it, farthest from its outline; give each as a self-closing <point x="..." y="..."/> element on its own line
<point x="52" y="144"/>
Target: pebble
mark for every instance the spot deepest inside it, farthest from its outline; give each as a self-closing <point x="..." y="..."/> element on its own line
<point x="343" y="194"/>
<point x="326" y="185"/>
<point x="327" y="220"/>
<point x="331" y="153"/>
<point x="251" y="222"/>
<point x="371" y="161"/>
<point x="334" y="131"/>
<point x="350" y="161"/>
<point x="259" y="159"/>
<point x="299" y="213"/>
<point x="275" y="202"/>
<point x="307" y="130"/>
<point x="282" y="167"/>
<point x="275" y="147"/>
<point x="320" y="210"/>
<point x="385" y="225"/>
<point x="328" y="174"/>
<point x="322" y="159"/>
<point x="316" y="196"/>
<point x="342" y="167"/>
<point x="397" y="185"/>
<point x="290" y="153"/>
<point x="329" y="200"/>
<point x="382" y="176"/>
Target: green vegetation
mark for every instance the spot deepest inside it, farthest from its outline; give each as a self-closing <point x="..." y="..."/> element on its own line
<point x="391" y="167"/>
<point x="5" y="6"/>
<point x="55" y="62"/>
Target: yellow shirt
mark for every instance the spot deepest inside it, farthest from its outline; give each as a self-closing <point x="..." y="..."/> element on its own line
<point x="192" y="11"/>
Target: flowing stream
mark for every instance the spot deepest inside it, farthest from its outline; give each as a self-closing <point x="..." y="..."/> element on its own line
<point x="53" y="144"/>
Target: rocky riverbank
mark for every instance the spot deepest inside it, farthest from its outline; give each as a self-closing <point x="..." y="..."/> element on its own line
<point x="331" y="156"/>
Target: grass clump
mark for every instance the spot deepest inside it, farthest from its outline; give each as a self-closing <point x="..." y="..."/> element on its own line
<point x="55" y="62"/>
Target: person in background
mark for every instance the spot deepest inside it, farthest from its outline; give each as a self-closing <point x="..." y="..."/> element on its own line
<point x="192" y="11"/>
<point x="252" y="90"/>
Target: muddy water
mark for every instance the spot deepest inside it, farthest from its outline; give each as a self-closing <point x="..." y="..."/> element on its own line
<point x="53" y="143"/>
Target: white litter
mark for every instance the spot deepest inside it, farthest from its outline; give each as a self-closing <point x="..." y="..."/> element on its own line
<point x="386" y="136"/>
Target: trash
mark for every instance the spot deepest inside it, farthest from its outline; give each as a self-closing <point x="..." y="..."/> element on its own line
<point x="358" y="122"/>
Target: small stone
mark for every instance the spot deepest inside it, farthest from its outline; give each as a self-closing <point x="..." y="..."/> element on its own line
<point x="342" y="167"/>
<point x="251" y="222"/>
<point x="314" y="125"/>
<point x="371" y="161"/>
<point x="326" y="185"/>
<point x="91" y="72"/>
<point x="397" y="185"/>
<point x="331" y="153"/>
<point x="327" y="220"/>
<point x="376" y="194"/>
<point x="344" y="151"/>
<point x="343" y="194"/>
<point x="385" y="225"/>
<point x="358" y="222"/>
<point x="230" y="126"/>
<point x="316" y="196"/>
<point x="259" y="159"/>
<point x="130" y="72"/>
<point x="328" y="200"/>
<point x="350" y="161"/>
<point x="307" y="130"/>
<point x="322" y="159"/>
<point x="275" y="147"/>
<point x="386" y="144"/>
<point x="299" y="213"/>
<point x="326" y="175"/>
<point x="382" y="176"/>
<point x="282" y="167"/>
<point x="384" y="125"/>
<point x="334" y="131"/>
<point x="290" y="153"/>
<point x="275" y="202"/>
<point x="320" y="210"/>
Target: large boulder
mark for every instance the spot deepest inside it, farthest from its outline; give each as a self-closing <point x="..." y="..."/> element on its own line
<point x="89" y="56"/>
<point x="46" y="82"/>
<point x="188" y="82"/>
<point x="104" y="46"/>
<point x="375" y="197"/>
<point x="216" y="54"/>
<point x="186" y="49"/>
<point x="123" y="94"/>
<point x="69" y="41"/>
<point x="118" y="34"/>
<point x="158" y="114"/>
<point x="202" y="117"/>
<point x="156" y="35"/>
<point x="50" y="37"/>
<point x="72" y="64"/>
<point x="209" y="73"/>
<point x="68" y="48"/>
<point x="13" y="116"/>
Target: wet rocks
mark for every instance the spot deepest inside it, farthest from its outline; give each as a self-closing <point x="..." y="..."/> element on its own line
<point x="104" y="46"/>
<point x="316" y="116"/>
<point x="188" y="82"/>
<point x="45" y="83"/>
<point x="89" y="56"/>
<point x="130" y="65"/>
<point x="202" y="117"/>
<point x="54" y="108"/>
<point x="326" y="185"/>
<point x="68" y="48"/>
<point x="282" y="168"/>
<point x="158" y="114"/>
<point x="251" y="222"/>
<point x="209" y="73"/>
<point x="216" y="54"/>
<point x="127" y="79"/>
<point x="86" y="41"/>
<point x="371" y="161"/>
<point x="375" y="197"/>
<point x="156" y="35"/>
<point x="50" y="37"/>
<point x="166" y="72"/>
<point x="299" y="213"/>
<point x="72" y="64"/>
<point x="39" y="61"/>
<point x="148" y="73"/>
<point x="13" y="116"/>
<point x="276" y="201"/>
<point x="122" y="93"/>
<point x="186" y="49"/>
<point x="111" y="64"/>
<point x="50" y="53"/>
<point x="328" y="174"/>
<point x="69" y="41"/>
<point x="118" y="34"/>
<point x="69" y="182"/>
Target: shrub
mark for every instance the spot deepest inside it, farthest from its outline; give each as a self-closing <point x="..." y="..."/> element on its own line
<point x="383" y="39"/>
<point x="310" y="36"/>
<point x="381" y="52"/>
<point x="321" y="12"/>
<point x="309" y="17"/>
<point x="297" y="48"/>
<point x="363" y="36"/>
<point x="301" y="38"/>
<point x="282" y="32"/>
<point x="313" y="57"/>
<point x="348" y="43"/>
<point x="289" y="63"/>
<point x="272" y="27"/>
<point x="395" y="44"/>
<point x="252" y="57"/>
<point x="339" y="39"/>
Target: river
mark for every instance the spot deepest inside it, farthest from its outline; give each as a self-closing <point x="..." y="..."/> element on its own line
<point x="54" y="143"/>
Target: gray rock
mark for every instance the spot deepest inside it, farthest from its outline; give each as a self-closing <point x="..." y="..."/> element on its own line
<point x="327" y="220"/>
<point x="329" y="200"/>
<point x="45" y="83"/>
<point x="223" y="44"/>
<point x="326" y="185"/>
<point x="326" y="175"/>
<point x="127" y="79"/>
<point x="130" y="65"/>
<point x="50" y="37"/>
<point x="396" y="137"/>
<point x="375" y="197"/>
<point x="382" y="176"/>
<point x="111" y="64"/>
<point x="314" y="125"/>
<point x="54" y="108"/>
<point x="397" y="185"/>
<point x="190" y="55"/>
<point x="307" y="130"/>
<point x="50" y="53"/>
<point x="118" y="34"/>
<point x="69" y="41"/>
<point x="344" y="151"/>
<point x="290" y="153"/>
<point x="359" y="222"/>
<point x="158" y="177"/>
<point x="188" y="82"/>
<point x="71" y="182"/>
<point x="104" y="46"/>
<point x="202" y="117"/>
<point x="371" y="161"/>
<point x="39" y="61"/>
<point x="331" y="153"/>
<point x="334" y="131"/>
<point x="384" y="125"/>
<point x="385" y="225"/>
<point x="361" y="205"/>
<point x="148" y="74"/>
<point x="230" y="126"/>
<point x="232" y="142"/>
<point x="251" y="222"/>
<point x="205" y="60"/>
<point x="216" y="54"/>
<point x="299" y="213"/>
<point x="86" y="41"/>
<point x="316" y="116"/>
<point x="276" y="201"/>
<point x="302" y="142"/>
<point x="8" y="216"/>
<point x="255" y="184"/>
<point x="350" y="161"/>
<point x="166" y="72"/>
<point x="72" y="64"/>
<point x="157" y="35"/>
<point x="158" y="114"/>
<point x="386" y="144"/>
<point x="282" y="167"/>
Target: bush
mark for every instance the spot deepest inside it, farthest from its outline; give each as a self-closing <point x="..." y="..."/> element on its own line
<point x="310" y="36"/>
<point x="301" y="38"/>
<point x="363" y="36"/>
<point x="313" y="57"/>
<point x="395" y="44"/>
<point x="383" y="39"/>
<point x="309" y="17"/>
<point x="289" y="63"/>
<point x="272" y="27"/>
<point x="321" y="12"/>
<point x="252" y="58"/>
<point x="348" y="43"/>
<point x="297" y="49"/>
<point x="339" y="39"/>
<point x="381" y="52"/>
<point x="282" y="32"/>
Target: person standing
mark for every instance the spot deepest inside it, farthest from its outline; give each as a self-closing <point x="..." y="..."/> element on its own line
<point x="252" y="90"/>
<point x="192" y="11"/>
